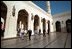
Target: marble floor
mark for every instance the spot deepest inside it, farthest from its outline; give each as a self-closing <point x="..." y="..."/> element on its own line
<point x="53" y="40"/>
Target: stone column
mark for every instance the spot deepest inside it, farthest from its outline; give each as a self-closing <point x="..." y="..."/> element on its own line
<point x="30" y="23"/>
<point x="46" y="26"/>
<point x="10" y="30"/>
<point x="41" y="24"/>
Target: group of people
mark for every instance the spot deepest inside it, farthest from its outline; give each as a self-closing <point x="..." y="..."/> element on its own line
<point x="22" y="31"/>
<point x="45" y="31"/>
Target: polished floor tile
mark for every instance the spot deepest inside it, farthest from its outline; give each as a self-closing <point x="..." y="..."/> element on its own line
<point x="53" y="40"/>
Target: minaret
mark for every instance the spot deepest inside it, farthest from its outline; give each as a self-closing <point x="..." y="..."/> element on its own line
<point x="48" y="7"/>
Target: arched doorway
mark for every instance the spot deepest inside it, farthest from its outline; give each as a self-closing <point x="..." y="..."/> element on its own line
<point x="36" y="23"/>
<point x="3" y="18"/>
<point x="58" y="26"/>
<point x="68" y="25"/>
<point x="44" y="24"/>
<point x="22" y="21"/>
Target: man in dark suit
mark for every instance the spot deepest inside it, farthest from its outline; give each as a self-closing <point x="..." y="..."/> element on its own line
<point x="29" y="32"/>
<point x="44" y="32"/>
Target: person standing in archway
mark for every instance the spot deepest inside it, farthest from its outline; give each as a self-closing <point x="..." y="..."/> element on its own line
<point x="48" y="30"/>
<point x="18" y="31"/>
<point x="29" y="32"/>
<point x="44" y="32"/>
<point x="39" y="31"/>
<point x="2" y="29"/>
<point x="21" y="33"/>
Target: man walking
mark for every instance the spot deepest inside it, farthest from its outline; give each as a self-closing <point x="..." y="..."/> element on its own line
<point x="29" y="32"/>
<point x="44" y="32"/>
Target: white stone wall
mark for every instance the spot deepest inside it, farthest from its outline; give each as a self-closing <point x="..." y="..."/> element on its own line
<point x="61" y="17"/>
<point x="11" y="22"/>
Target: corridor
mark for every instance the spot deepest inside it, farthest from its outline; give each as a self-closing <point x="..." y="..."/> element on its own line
<point x="53" y="40"/>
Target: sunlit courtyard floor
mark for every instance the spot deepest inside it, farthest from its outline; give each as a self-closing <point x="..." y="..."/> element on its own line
<point x="53" y="40"/>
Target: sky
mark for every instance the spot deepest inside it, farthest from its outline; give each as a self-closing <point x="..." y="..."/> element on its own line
<point x="56" y="6"/>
